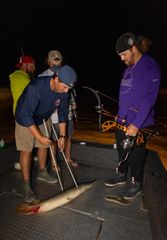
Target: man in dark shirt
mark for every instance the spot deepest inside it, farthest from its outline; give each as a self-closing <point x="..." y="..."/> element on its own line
<point x="38" y="101"/>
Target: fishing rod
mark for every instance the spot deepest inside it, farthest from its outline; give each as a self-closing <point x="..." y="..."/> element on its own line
<point x="112" y="123"/>
<point x="128" y="144"/>
<point x="65" y="159"/>
<point x="21" y="50"/>
<point x="74" y="111"/>
<point x="110" y="98"/>
<point x="99" y="107"/>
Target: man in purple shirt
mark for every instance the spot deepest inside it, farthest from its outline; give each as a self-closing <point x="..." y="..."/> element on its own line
<point x="138" y="92"/>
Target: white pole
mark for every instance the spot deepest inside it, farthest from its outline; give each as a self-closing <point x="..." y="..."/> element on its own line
<point x="52" y="156"/>
<point x="65" y="157"/>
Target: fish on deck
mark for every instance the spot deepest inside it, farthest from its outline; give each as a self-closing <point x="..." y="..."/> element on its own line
<point x="54" y="202"/>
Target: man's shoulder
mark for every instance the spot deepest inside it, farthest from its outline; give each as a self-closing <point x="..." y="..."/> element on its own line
<point x="39" y="85"/>
<point x="40" y="80"/>
<point x="18" y="73"/>
<point x="149" y="63"/>
<point x="148" y="59"/>
<point x="46" y="73"/>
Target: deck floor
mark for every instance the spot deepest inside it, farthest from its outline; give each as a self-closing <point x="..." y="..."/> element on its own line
<point x="87" y="217"/>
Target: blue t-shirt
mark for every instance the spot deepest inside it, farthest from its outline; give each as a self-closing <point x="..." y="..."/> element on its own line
<point x="138" y="92"/>
<point x="38" y="102"/>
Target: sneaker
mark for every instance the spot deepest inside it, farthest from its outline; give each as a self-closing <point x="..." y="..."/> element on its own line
<point x="29" y="195"/>
<point x="45" y="176"/>
<point x="35" y="159"/>
<point x="132" y="191"/>
<point x="143" y="204"/>
<point x="17" y="166"/>
<point x="116" y="198"/>
<point x="118" y="179"/>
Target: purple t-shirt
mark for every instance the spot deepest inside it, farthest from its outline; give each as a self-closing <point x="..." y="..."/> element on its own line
<point x="138" y="92"/>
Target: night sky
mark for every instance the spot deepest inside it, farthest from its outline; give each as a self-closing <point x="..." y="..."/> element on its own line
<point x="85" y="32"/>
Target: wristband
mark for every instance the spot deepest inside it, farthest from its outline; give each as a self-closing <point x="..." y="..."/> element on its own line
<point x="62" y="136"/>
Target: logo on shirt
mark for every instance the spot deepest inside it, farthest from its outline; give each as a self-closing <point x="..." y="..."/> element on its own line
<point x="127" y="81"/>
<point x="57" y="102"/>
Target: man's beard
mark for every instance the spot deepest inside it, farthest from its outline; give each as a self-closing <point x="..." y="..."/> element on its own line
<point x="127" y="63"/>
<point x="31" y="75"/>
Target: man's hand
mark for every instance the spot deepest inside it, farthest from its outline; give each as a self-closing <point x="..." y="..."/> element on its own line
<point x="44" y="141"/>
<point x="35" y="131"/>
<point x="132" y="130"/>
<point x="61" y="142"/>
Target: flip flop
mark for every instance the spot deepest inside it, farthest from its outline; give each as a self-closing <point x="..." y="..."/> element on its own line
<point x="73" y="163"/>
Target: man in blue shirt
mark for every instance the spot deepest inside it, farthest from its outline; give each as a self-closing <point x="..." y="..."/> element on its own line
<point x="38" y="101"/>
<point x="138" y="92"/>
<point x="54" y="61"/>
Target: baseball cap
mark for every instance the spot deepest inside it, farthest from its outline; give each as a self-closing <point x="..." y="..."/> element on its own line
<point x="125" y="42"/>
<point x="54" y="56"/>
<point x="67" y="75"/>
<point x="25" y="59"/>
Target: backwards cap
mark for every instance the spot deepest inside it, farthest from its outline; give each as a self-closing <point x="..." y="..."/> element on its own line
<point x="54" y="57"/>
<point x="66" y="74"/>
<point x="25" y="59"/>
<point x="125" y="42"/>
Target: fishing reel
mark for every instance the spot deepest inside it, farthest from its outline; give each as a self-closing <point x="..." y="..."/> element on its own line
<point x="128" y="142"/>
<point x="99" y="108"/>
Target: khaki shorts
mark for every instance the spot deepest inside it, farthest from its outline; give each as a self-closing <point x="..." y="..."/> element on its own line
<point x="25" y="140"/>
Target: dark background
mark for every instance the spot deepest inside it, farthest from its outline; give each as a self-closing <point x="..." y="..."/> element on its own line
<point x="85" y="32"/>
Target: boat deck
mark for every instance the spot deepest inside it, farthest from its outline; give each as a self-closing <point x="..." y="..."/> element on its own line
<point x="87" y="217"/>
